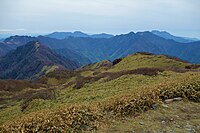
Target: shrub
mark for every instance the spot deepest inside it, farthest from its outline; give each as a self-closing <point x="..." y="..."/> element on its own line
<point x="145" y="53"/>
<point x="81" y="81"/>
<point x="31" y="95"/>
<point x="17" y="85"/>
<point x="60" y="74"/>
<point x="194" y="66"/>
<point x="67" y="119"/>
<point x="116" y="61"/>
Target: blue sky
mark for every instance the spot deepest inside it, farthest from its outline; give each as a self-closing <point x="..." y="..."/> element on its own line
<point x="179" y="17"/>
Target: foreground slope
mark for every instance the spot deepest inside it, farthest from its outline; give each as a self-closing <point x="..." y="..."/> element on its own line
<point x="31" y="61"/>
<point x="179" y="117"/>
<point x="98" y="100"/>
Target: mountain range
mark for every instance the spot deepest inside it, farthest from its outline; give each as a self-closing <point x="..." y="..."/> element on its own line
<point x="63" y="35"/>
<point x="73" y="52"/>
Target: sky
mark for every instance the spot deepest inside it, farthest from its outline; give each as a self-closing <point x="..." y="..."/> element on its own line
<point x="179" y="17"/>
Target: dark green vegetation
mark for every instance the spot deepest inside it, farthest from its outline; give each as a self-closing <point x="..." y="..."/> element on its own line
<point x="32" y="60"/>
<point x="102" y="96"/>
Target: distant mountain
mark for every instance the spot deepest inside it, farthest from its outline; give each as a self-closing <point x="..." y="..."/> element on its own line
<point x="16" y="41"/>
<point x="87" y="49"/>
<point x="63" y="35"/>
<point x="122" y="45"/>
<point x="102" y="35"/>
<point x="167" y="35"/>
<point x="12" y="42"/>
<point x="31" y="61"/>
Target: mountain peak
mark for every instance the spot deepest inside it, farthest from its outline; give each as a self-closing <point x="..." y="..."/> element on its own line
<point x="131" y="33"/>
<point x="78" y="32"/>
<point x="31" y="61"/>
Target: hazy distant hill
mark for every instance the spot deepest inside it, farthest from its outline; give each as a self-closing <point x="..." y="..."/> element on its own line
<point x="102" y="35"/>
<point x="167" y="35"/>
<point x="31" y="61"/>
<point x="63" y="35"/>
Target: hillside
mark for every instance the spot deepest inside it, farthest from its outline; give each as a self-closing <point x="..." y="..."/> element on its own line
<point x="4" y="49"/>
<point x="31" y="61"/>
<point x="98" y="96"/>
<point x="73" y="55"/>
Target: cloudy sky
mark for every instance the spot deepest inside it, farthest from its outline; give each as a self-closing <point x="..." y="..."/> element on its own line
<point x="179" y="17"/>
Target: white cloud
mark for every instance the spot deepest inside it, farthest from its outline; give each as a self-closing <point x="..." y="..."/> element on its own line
<point x="11" y="30"/>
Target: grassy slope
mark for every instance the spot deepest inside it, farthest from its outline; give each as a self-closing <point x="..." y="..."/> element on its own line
<point x="178" y="117"/>
<point x="141" y="61"/>
<point x="108" y="92"/>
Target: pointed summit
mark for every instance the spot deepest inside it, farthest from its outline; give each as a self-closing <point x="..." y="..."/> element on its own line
<point x="32" y="60"/>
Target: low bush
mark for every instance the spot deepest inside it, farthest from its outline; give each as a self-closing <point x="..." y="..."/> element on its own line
<point x="116" y="61"/>
<point x="17" y="85"/>
<point x="194" y="66"/>
<point x="31" y="95"/>
<point x="81" y="81"/>
<point x="60" y="74"/>
<point x="145" y="53"/>
<point x="67" y="119"/>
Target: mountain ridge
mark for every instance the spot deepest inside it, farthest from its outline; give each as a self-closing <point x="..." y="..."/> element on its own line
<point x="30" y="61"/>
<point x="96" y="49"/>
<point x="63" y="35"/>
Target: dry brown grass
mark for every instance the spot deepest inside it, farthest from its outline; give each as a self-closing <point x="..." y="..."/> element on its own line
<point x="17" y="85"/>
